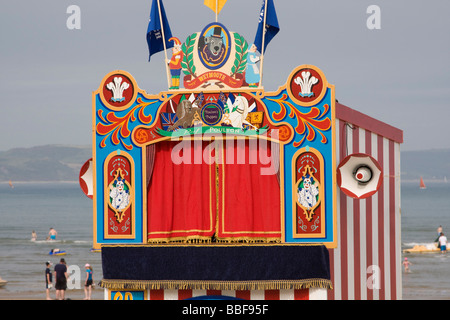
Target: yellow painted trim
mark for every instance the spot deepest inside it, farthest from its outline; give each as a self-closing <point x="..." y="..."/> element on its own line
<point x="144" y="194"/>
<point x="125" y="291"/>
<point x="333" y="243"/>
<point x="95" y="244"/>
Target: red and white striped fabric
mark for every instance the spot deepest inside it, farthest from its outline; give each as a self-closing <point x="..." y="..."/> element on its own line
<point x="294" y="294"/>
<point x="366" y="265"/>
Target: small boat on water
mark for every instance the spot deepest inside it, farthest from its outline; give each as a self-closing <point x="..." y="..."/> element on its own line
<point x="57" y="252"/>
<point x="420" y="248"/>
<point x="422" y="184"/>
<point x="3" y="282"/>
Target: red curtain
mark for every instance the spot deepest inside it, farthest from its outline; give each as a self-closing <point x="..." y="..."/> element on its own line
<point x="179" y="195"/>
<point x="251" y="192"/>
<point x="207" y="197"/>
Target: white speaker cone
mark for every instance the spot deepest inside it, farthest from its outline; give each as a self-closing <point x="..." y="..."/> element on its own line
<point x="363" y="174"/>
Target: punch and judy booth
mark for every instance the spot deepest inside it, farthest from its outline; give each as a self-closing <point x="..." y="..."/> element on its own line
<point x="223" y="189"/>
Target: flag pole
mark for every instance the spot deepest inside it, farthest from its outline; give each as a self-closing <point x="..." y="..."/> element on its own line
<point x="164" y="44"/>
<point x="262" y="46"/>
<point x="217" y="5"/>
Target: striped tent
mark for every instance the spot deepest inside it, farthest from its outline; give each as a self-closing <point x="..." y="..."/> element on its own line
<point x="367" y="262"/>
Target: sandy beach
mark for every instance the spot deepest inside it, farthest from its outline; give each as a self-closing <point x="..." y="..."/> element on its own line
<point x="97" y="294"/>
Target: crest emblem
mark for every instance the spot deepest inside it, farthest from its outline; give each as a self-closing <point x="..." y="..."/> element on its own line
<point x="214" y="58"/>
<point x="118" y="91"/>
<point x="214" y="46"/>
<point x="306" y="85"/>
<point x="211" y="114"/>
<point x="306" y="81"/>
<point x="117" y="87"/>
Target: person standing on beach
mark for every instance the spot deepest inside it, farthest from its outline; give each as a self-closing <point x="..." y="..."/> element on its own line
<point x="48" y="279"/>
<point x="88" y="282"/>
<point x="61" y="279"/>
<point x="443" y="242"/>
<point x="52" y="234"/>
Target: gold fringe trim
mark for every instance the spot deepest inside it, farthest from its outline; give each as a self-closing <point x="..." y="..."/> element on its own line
<point x="188" y="240"/>
<point x="210" y="240"/>
<point x="248" y="240"/>
<point x="204" y="244"/>
<point x="215" y="285"/>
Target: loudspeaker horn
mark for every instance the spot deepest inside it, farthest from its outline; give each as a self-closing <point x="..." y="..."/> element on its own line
<point x="359" y="175"/>
<point x="86" y="179"/>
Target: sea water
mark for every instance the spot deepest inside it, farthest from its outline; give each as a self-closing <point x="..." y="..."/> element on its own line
<point x="63" y="206"/>
<point x="423" y="211"/>
<point x="39" y="206"/>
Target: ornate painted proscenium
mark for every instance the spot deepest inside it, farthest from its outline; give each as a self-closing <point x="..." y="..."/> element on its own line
<point x="297" y="126"/>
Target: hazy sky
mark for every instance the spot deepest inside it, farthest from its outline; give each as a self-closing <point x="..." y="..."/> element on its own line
<point x="399" y="74"/>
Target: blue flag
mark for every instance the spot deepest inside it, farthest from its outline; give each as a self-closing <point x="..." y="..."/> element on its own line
<point x="154" y="32"/>
<point x="271" y="27"/>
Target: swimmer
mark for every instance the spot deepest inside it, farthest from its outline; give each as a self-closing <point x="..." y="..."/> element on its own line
<point x="52" y="234"/>
<point x="406" y="264"/>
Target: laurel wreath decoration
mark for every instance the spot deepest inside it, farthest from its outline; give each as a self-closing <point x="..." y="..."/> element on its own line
<point x="188" y="59"/>
<point x="240" y="61"/>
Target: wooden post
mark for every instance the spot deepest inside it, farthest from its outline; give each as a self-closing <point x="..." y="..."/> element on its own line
<point x="262" y="45"/>
<point x="217" y="7"/>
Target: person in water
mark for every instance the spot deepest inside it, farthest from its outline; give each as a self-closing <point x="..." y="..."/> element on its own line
<point x="406" y="264"/>
<point x="443" y="242"/>
<point x="52" y="234"/>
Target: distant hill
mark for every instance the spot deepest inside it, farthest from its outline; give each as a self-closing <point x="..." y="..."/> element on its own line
<point x="430" y="164"/>
<point x="43" y="163"/>
<point x="63" y="163"/>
